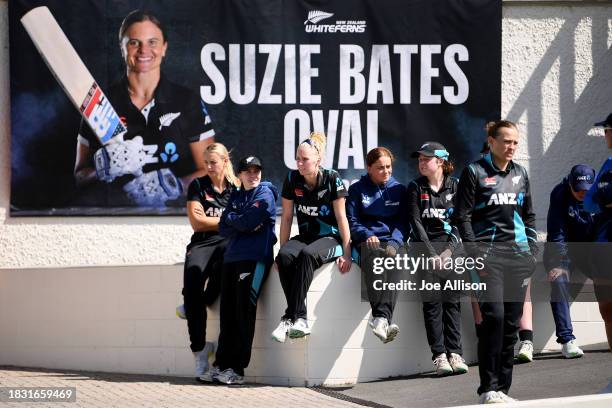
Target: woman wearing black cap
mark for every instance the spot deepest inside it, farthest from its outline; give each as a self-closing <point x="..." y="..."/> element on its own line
<point x="599" y="201"/>
<point x="431" y="199"/>
<point x="319" y="198"/>
<point x="494" y="210"/>
<point x="248" y="223"/>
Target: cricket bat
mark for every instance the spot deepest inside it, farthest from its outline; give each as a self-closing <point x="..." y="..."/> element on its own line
<point x="72" y="74"/>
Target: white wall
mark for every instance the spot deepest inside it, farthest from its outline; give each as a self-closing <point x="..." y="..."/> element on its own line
<point x="556" y="82"/>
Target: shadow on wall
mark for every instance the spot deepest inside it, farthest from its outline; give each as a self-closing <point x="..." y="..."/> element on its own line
<point x="577" y="111"/>
<point x="584" y="97"/>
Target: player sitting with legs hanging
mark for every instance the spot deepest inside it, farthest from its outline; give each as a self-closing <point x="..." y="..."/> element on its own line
<point x="248" y="223"/>
<point x="318" y="195"/>
<point x="374" y="212"/>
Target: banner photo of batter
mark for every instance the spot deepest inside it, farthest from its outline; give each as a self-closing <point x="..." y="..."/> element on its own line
<point x="114" y="102"/>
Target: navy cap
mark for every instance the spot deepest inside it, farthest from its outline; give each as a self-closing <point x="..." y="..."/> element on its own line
<point x="581" y="177"/>
<point x="605" y="123"/>
<point x="249" y="161"/>
<point x="431" y="149"/>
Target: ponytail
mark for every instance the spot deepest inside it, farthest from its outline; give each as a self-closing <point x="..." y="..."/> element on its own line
<point x="448" y="167"/>
<point x="317" y="141"/>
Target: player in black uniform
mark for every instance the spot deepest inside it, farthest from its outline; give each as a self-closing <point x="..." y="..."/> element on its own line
<point x="207" y="197"/>
<point x="168" y="128"/>
<point x="431" y="202"/>
<point x="494" y="209"/>
<point x="318" y="195"/>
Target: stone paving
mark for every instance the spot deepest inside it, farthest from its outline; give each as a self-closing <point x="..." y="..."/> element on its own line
<point x="132" y="390"/>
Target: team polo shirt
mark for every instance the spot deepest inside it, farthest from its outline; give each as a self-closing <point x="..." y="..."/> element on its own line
<point x="213" y="201"/>
<point x="495" y="206"/>
<point x="430" y="212"/>
<point x="315" y="211"/>
<point x="175" y="118"/>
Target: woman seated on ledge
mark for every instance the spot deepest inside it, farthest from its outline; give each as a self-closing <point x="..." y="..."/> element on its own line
<point x="318" y="195"/>
<point x="374" y="211"/>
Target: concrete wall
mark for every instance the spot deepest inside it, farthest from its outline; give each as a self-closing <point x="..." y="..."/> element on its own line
<point x="121" y="319"/>
<point x="99" y="293"/>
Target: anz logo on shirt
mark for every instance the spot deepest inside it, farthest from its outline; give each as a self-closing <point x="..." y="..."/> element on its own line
<point x="213" y="212"/>
<point x="308" y="210"/>
<point x="506" y="199"/>
<point x="313" y="211"/>
<point x="439" y="213"/>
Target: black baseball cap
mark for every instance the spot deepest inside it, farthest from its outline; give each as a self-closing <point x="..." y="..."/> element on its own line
<point x="431" y="149"/>
<point x="249" y="161"/>
<point x="605" y="123"/>
<point x="581" y="177"/>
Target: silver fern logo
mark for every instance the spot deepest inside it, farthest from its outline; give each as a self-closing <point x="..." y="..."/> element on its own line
<point x="167" y="119"/>
<point x="315" y="16"/>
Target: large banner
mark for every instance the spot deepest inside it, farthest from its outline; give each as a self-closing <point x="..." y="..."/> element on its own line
<point x="260" y="75"/>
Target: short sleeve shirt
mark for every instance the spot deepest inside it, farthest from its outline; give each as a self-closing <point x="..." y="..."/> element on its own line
<point x="213" y="202"/>
<point x="314" y="209"/>
<point x="177" y="118"/>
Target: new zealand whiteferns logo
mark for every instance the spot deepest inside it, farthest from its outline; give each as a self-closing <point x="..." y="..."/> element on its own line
<point x="315" y="16"/>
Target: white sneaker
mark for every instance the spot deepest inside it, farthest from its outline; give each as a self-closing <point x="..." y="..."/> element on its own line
<point x="506" y="397"/>
<point x="392" y="332"/>
<point x="299" y="329"/>
<point x="202" y="359"/>
<point x="380" y="325"/>
<point x="229" y="377"/>
<point x="491" y="397"/>
<point x="571" y="350"/>
<point x="210" y="375"/>
<point x="180" y="312"/>
<point x="280" y="333"/>
<point x="525" y="354"/>
<point x="441" y="365"/>
<point x="458" y="364"/>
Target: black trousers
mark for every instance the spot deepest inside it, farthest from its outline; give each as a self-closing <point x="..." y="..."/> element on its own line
<point x="501" y="307"/>
<point x="443" y="324"/>
<point x="203" y="262"/>
<point x="297" y="260"/>
<point x="240" y="289"/>
<point x="382" y="302"/>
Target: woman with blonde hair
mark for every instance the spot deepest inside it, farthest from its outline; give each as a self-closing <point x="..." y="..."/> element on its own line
<point x="207" y="197"/>
<point x="318" y="195"/>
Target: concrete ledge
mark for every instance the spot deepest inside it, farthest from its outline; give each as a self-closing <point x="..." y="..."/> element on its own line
<point x="121" y="319"/>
